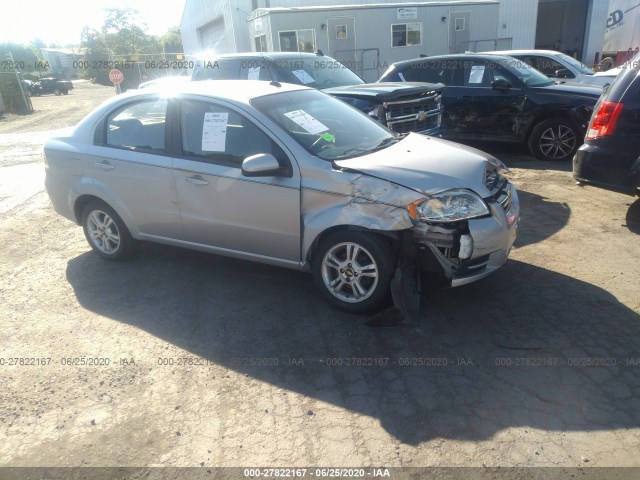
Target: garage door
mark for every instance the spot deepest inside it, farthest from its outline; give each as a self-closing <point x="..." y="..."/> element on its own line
<point x="212" y="36"/>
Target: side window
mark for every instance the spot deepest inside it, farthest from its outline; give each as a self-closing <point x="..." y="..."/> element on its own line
<point x="477" y="74"/>
<point x="215" y="134"/>
<point x="254" y="69"/>
<point x="139" y="126"/>
<point x="548" y="66"/>
<point x="225" y="69"/>
<point x="426" y="72"/>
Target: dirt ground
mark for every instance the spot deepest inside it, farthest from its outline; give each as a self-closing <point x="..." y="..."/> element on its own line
<point x="178" y="358"/>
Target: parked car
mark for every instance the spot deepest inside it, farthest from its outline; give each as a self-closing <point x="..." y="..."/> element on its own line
<point x="400" y="107"/>
<point x="493" y="97"/>
<point x="558" y="66"/>
<point x="609" y="157"/>
<point x="286" y="175"/>
<point x="164" y="82"/>
<point x="612" y="73"/>
<point x="29" y="87"/>
<point x="52" y="85"/>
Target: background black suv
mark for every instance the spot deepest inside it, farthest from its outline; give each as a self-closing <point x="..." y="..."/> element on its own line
<point x="499" y="98"/>
<point x="610" y="157"/>
<point x="52" y="85"/>
<point x="401" y="107"/>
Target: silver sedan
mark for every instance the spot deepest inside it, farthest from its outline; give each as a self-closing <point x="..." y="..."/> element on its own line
<point x="284" y="175"/>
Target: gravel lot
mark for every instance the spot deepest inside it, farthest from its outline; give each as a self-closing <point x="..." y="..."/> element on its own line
<point x="216" y="362"/>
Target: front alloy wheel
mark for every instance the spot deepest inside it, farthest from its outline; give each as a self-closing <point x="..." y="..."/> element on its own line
<point x="353" y="270"/>
<point x="350" y="272"/>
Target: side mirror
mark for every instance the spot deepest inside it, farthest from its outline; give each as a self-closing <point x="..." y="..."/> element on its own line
<point x="501" y="84"/>
<point x="563" y="73"/>
<point x="263" y="165"/>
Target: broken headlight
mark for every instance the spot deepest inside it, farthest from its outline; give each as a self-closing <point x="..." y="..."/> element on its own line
<point x="449" y="206"/>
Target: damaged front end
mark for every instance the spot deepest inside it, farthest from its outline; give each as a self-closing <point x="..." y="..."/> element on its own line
<point x="463" y="251"/>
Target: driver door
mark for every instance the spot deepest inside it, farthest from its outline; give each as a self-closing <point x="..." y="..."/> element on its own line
<point x="221" y="208"/>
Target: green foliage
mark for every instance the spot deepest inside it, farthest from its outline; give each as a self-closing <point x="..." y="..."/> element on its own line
<point x="172" y="41"/>
<point x="122" y="41"/>
<point x="26" y="56"/>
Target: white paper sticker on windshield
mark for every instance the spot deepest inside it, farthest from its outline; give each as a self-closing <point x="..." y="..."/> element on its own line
<point x="254" y="73"/>
<point x="303" y="76"/>
<point x="214" y="131"/>
<point x="306" y="121"/>
<point x="477" y="72"/>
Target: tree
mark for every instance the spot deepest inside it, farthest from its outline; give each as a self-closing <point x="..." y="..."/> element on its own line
<point x="172" y="41"/>
<point x="122" y="41"/>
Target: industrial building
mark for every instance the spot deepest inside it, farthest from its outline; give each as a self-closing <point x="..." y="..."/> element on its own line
<point x="390" y="30"/>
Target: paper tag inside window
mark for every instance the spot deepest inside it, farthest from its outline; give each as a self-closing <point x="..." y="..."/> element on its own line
<point x="477" y="72"/>
<point x="253" y="73"/>
<point x="306" y="121"/>
<point x="303" y="76"/>
<point x="214" y="131"/>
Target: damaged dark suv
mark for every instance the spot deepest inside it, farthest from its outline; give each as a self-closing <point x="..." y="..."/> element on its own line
<point x="401" y="107"/>
<point x="499" y="98"/>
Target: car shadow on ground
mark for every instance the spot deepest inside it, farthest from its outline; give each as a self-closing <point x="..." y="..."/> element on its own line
<point x="633" y="217"/>
<point x="510" y="351"/>
<point x="540" y="218"/>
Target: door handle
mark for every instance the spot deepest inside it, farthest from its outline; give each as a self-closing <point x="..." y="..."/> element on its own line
<point x="105" y="166"/>
<point x="467" y="98"/>
<point x="196" y="180"/>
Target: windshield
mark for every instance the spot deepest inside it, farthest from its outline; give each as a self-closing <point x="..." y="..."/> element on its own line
<point x="325" y="127"/>
<point x="319" y="72"/>
<point x="579" y="66"/>
<point x="526" y="73"/>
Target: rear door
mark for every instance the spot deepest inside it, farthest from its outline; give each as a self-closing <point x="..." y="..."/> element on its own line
<point x="130" y="164"/>
<point x="220" y="207"/>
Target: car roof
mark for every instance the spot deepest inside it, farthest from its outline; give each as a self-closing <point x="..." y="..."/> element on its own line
<point x="268" y="55"/>
<point x="467" y="56"/>
<point x="552" y="53"/>
<point x="242" y="91"/>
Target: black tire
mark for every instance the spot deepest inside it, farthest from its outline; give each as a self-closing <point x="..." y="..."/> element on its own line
<point x="57" y="91"/>
<point x="555" y="140"/>
<point x="358" y="291"/>
<point x="102" y="226"/>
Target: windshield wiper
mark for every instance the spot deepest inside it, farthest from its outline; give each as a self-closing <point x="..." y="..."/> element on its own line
<point x="353" y="152"/>
<point x="385" y="143"/>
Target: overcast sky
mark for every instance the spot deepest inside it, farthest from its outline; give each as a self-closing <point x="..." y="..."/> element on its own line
<point x="62" y="21"/>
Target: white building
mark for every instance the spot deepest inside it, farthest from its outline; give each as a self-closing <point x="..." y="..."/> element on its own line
<point x="397" y="29"/>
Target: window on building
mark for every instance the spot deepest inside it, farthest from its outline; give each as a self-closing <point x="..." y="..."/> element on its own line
<point x="406" y="34"/>
<point x="261" y="43"/>
<point x="298" y="41"/>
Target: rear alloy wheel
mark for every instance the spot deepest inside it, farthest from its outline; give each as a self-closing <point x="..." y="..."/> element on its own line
<point x="353" y="270"/>
<point x="555" y="139"/>
<point x="106" y="232"/>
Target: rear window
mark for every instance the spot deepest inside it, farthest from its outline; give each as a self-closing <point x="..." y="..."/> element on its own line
<point x="217" y="70"/>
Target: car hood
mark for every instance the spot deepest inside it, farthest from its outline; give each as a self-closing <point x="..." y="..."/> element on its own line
<point x="385" y="91"/>
<point x="426" y="164"/>
<point x="575" y="89"/>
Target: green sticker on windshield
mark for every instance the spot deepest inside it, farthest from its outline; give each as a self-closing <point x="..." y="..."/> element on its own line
<point x="327" y="137"/>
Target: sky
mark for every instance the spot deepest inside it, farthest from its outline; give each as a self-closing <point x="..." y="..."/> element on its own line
<point x="61" y="21"/>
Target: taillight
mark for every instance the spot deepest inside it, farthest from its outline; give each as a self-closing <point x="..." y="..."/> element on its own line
<point x="603" y="122"/>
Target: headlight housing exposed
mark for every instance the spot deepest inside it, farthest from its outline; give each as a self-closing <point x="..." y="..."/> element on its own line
<point x="449" y="206"/>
